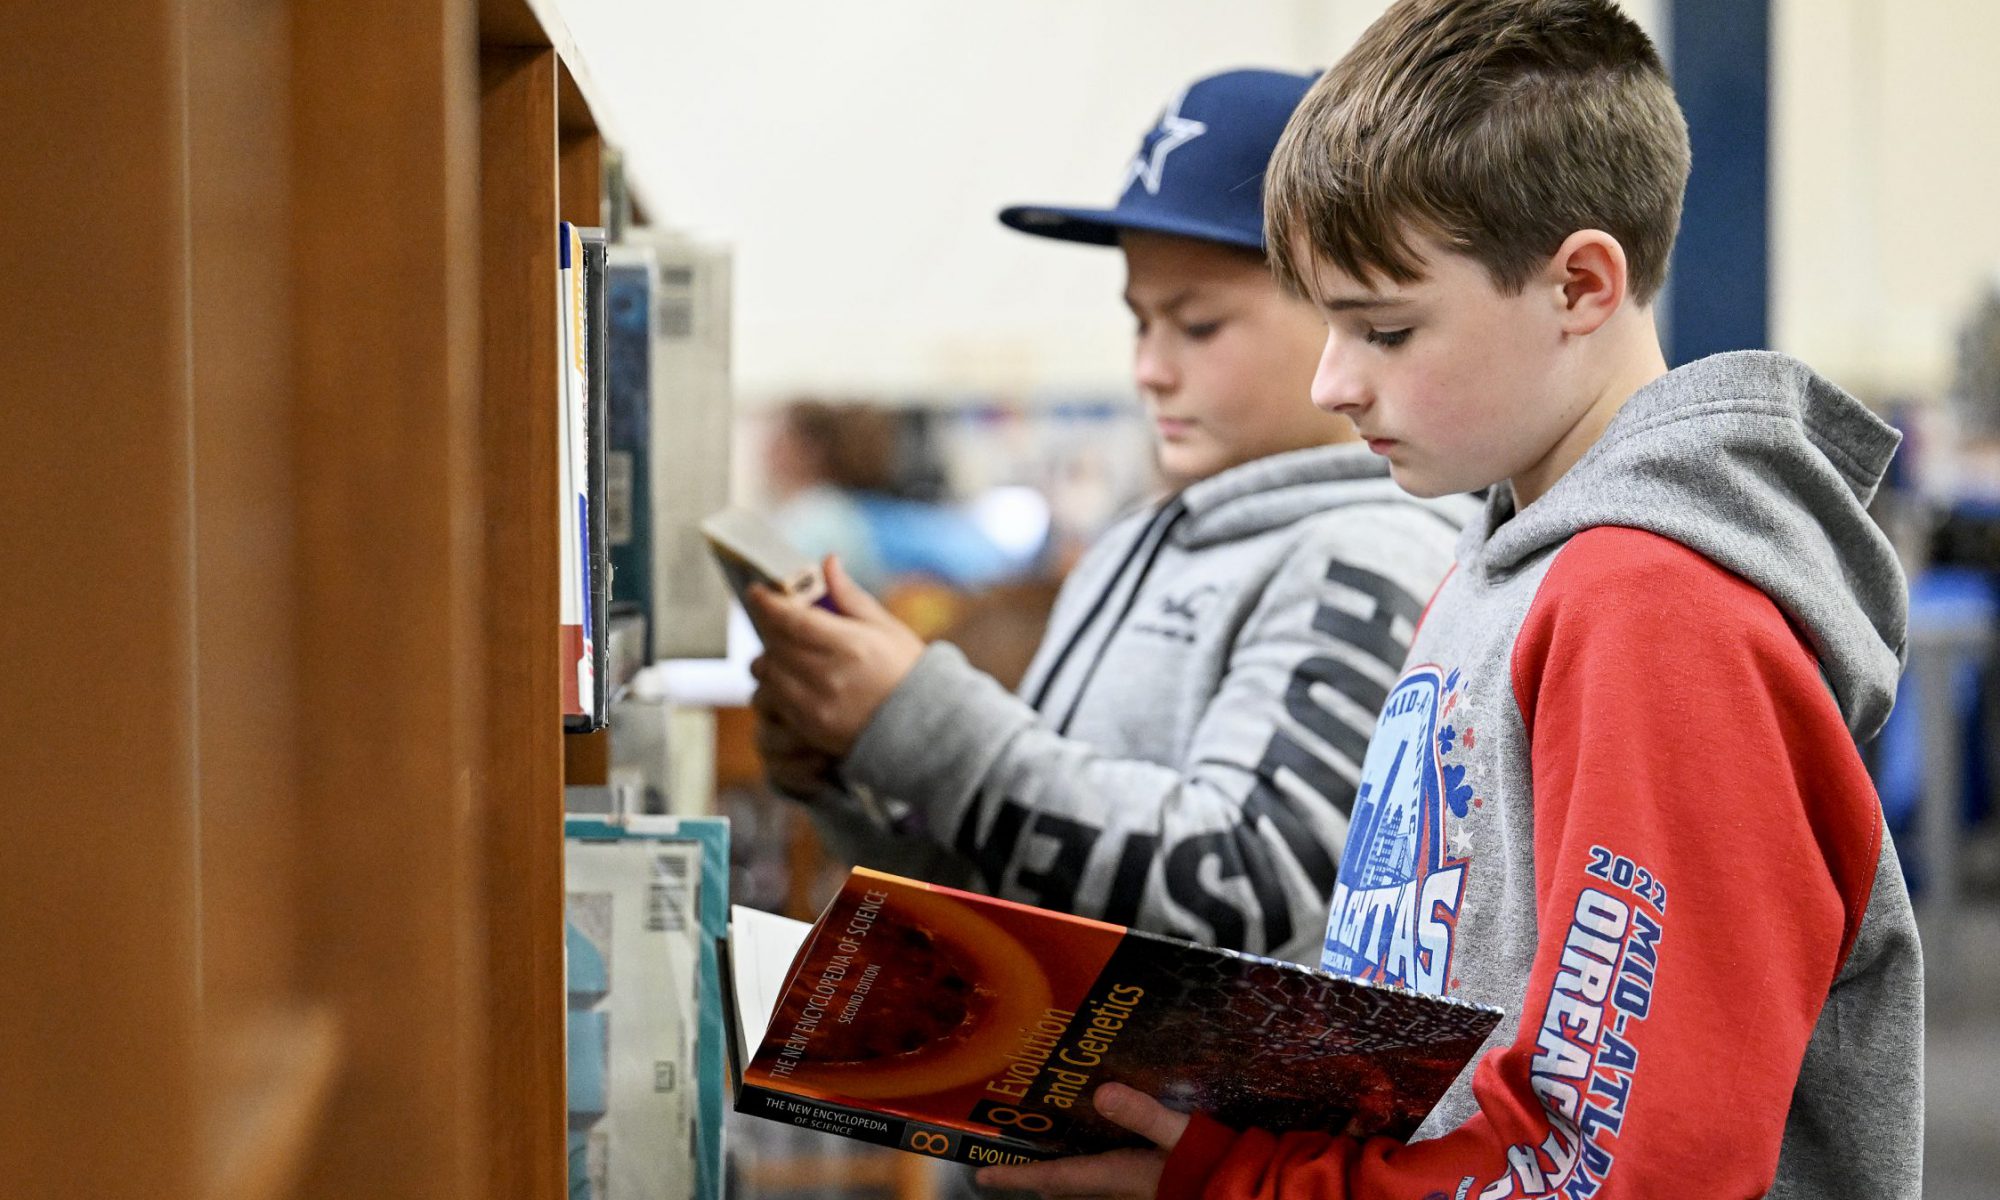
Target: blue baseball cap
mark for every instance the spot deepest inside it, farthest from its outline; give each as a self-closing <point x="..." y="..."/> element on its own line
<point x="1199" y="172"/>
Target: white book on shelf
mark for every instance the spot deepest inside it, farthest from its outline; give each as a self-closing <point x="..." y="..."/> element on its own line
<point x="579" y="676"/>
<point x="692" y="417"/>
<point x="634" y="942"/>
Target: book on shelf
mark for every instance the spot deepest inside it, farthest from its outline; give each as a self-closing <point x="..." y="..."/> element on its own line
<point x="597" y="563"/>
<point x="974" y="1029"/>
<point x="579" y="684"/>
<point x="631" y="277"/>
<point x="750" y="550"/>
<point x="617" y="194"/>
<point x="624" y="654"/>
<point x="645" y="902"/>
<point x="663" y="755"/>
<point x="690" y="421"/>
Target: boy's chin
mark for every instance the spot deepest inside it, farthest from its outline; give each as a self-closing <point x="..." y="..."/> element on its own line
<point x="1425" y="485"/>
<point x="1183" y="463"/>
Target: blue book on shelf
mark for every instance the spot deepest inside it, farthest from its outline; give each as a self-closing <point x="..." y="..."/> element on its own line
<point x="628" y="480"/>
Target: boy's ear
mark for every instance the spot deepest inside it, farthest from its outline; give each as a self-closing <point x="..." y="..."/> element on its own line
<point x="1590" y="271"/>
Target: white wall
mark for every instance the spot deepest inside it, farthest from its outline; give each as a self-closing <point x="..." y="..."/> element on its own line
<point x="1885" y="169"/>
<point x="855" y="154"/>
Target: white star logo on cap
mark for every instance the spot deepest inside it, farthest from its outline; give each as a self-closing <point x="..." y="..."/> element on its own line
<point x="1175" y="130"/>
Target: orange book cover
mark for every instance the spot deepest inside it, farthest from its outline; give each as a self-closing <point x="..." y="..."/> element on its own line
<point x="970" y="1028"/>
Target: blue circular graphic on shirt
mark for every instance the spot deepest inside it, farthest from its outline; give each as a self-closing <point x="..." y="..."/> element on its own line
<point x="1395" y="908"/>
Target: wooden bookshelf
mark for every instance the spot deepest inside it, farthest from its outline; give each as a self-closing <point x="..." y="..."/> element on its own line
<point x="519" y="206"/>
<point x="278" y="592"/>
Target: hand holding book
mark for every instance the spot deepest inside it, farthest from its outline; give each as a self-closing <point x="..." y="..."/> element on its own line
<point x="823" y="674"/>
<point x="791" y="766"/>
<point x="1115" y="1173"/>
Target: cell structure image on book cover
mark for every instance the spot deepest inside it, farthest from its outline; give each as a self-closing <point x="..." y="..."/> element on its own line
<point x="977" y="1029"/>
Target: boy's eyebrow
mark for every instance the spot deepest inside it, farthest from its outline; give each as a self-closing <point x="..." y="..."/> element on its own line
<point x="1168" y="305"/>
<point x="1352" y="303"/>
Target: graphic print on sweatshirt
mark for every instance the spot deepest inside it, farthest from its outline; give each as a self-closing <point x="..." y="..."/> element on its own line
<point x="1586" y="1059"/>
<point x="1395" y="909"/>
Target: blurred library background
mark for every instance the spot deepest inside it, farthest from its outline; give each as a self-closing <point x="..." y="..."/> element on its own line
<point x="332" y="749"/>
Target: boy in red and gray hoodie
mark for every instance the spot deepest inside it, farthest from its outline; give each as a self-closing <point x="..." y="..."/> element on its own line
<point x="1616" y="789"/>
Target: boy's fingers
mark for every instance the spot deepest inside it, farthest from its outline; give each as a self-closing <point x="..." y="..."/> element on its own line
<point x="848" y="596"/>
<point x="778" y="699"/>
<point x="780" y="691"/>
<point x="803" y="626"/>
<point x="769" y="713"/>
<point x="1118" y="1173"/>
<point x="784" y="616"/>
<point x="771" y="613"/>
<point x="778" y="687"/>
<point x="759" y="599"/>
<point x="1140" y="1113"/>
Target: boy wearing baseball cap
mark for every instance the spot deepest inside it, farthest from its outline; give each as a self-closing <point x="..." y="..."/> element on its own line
<point x="1616" y="788"/>
<point x="1183" y="753"/>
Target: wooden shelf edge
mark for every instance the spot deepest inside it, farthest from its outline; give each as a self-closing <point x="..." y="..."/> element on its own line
<point x="276" y="1077"/>
<point x="587" y="758"/>
<point x="537" y="23"/>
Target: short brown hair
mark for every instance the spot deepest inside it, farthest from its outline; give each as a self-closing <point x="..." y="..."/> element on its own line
<point x="1497" y="127"/>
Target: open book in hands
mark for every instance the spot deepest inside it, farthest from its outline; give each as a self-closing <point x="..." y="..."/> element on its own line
<point x="965" y="1027"/>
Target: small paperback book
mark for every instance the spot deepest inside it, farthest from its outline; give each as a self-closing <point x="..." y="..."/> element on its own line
<point x="750" y="550"/>
<point x="975" y="1029"/>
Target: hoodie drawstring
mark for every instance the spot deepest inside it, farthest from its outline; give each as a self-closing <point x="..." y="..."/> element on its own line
<point x="1148" y="544"/>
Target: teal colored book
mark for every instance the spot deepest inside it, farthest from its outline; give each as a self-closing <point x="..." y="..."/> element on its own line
<point x="646" y="900"/>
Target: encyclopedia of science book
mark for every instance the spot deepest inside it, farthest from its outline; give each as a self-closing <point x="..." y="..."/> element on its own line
<point x="975" y="1029"/>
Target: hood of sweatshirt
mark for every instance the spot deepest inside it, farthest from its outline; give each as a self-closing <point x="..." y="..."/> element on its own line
<point x="1281" y="489"/>
<point x="1766" y="469"/>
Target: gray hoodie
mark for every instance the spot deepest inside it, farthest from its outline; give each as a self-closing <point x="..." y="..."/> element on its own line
<point x="1616" y="791"/>
<point x="1184" y="750"/>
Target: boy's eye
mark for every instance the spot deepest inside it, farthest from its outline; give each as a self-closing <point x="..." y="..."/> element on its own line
<point x="1201" y="331"/>
<point x="1388" y="337"/>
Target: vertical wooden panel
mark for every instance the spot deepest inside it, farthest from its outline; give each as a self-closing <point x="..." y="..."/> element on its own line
<point x="582" y="177"/>
<point x="527" y="1120"/>
<point x="239" y="221"/>
<point x="98" y="886"/>
<point x="243" y="545"/>
<point x="268" y="1053"/>
<point x="385" y="190"/>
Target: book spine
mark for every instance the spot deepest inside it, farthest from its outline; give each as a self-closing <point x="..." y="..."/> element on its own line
<point x="576" y="684"/>
<point x="917" y="1137"/>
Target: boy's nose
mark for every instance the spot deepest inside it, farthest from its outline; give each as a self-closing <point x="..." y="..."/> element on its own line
<point x="1153" y="370"/>
<point x="1337" y="386"/>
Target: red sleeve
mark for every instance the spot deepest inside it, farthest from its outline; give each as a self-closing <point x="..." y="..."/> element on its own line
<point x="1705" y="842"/>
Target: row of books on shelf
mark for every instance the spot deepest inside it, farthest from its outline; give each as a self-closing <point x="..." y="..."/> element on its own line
<point x="644" y="455"/>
